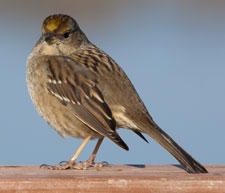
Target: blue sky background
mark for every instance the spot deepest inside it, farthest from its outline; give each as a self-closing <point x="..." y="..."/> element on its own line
<point x="173" y="52"/>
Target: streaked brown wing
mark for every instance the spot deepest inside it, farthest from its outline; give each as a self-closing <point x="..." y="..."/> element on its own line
<point x="76" y="87"/>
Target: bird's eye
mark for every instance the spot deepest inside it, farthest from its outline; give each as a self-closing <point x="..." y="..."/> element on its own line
<point x="66" y="35"/>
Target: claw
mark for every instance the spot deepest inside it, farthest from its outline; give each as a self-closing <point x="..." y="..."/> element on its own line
<point x="63" y="162"/>
<point x="64" y="165"/>
<point x="50" y="167"/>
<point x="101" y="164"/>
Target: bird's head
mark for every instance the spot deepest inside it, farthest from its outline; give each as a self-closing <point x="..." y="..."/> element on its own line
<point x="61" y="28"/>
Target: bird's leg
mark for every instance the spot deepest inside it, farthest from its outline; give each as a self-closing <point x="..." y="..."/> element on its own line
<point x="86" y="164"/>
<point x="91" y="159"/>
<point x="70" y="164"/>
<point x="75" y="156"/>
<point x="90" y="162"/>
<point x="93" y="155"/>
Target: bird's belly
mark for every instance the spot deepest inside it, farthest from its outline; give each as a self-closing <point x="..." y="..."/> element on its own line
<point x="58" y="116"/>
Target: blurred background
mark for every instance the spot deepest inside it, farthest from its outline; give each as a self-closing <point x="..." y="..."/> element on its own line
<point x="173" y="51"/>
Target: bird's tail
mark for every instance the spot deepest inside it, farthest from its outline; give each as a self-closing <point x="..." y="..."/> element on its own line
<point x="186" y="160"/>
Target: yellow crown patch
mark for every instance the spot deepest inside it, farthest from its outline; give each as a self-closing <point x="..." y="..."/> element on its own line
<point x="57" y="24"/>
<point x="52" y="24"/>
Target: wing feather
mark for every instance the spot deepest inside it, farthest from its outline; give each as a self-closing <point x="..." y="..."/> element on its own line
<point x="76" y="87"/>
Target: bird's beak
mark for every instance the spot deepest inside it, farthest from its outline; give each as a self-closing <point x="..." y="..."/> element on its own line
<point x="49" y="38"/>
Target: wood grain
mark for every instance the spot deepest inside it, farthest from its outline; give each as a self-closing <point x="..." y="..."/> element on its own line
<point x="113" y="178"/>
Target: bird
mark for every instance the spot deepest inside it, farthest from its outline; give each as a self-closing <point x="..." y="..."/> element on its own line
<point x="81" y="92"/>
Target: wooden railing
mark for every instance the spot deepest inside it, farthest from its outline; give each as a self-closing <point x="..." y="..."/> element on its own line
<point x="115" y="178"/>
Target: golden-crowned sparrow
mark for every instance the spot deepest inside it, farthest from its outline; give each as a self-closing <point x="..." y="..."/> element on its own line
<point x="82" y="92"/>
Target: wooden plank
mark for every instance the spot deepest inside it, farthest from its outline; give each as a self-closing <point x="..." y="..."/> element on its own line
<point x="113" y="178"/>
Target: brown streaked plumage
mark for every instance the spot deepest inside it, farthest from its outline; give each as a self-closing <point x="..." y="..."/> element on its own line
<point x="82" y="92"/>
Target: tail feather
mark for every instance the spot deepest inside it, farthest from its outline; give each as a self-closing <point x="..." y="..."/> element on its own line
<point x="140" y="135"/>
<point x="186" y="160"/>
